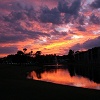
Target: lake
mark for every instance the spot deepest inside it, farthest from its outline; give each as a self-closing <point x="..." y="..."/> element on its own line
<point x="60" y="75"/>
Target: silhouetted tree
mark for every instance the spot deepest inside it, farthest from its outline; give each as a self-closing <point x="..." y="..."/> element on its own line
<point x="31" y="53"/>
<point x="24" y="50"/>
<point x="38" y="53"/>
<point x="71" y="55"/>
<point x="20" y="52"/>
<point x="77" y="52"/>
<point x="38" y="58"/>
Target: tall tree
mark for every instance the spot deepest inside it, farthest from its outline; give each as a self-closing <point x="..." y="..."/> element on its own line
<point x="38" y="53"/>
<point x="20" y="52"/>
<point x="24" y="50"/>
<point x="71" y="55"/>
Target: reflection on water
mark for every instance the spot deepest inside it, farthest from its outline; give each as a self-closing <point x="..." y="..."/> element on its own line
<point x="62" y="76"/>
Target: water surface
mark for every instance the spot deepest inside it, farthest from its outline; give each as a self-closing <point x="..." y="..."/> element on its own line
<point x="62" y="76"/>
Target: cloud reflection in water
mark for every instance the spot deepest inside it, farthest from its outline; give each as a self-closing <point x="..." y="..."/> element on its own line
<point x="61" y="76"/>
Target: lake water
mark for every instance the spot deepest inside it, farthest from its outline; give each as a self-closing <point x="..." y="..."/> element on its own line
<point x="63" y="76"/>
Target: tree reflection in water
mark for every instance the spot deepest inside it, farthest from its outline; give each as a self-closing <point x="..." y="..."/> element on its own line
<point x="62" y="76"/>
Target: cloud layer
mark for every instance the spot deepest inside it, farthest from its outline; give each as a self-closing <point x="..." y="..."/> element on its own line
<point x="52" y="26"/>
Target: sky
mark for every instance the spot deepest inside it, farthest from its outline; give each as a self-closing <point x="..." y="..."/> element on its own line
<point x="49" y="26"/>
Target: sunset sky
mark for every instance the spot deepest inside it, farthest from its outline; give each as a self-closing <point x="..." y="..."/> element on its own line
<point x="50" y="26"/>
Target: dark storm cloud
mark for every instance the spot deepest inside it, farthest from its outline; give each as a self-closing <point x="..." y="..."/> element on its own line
<point x="46" y="15"/>
<point x="16" y="33"/>
<point x="88" y="44"/>
<point x="54" y="15"/>
<point x="24" y="35"/>
<point x="50" y="16"/>
<point x="75" y="7"/>
<point x="76" y="47"/>
<point x="14" y="16"/>
<point x="80" y="28"/>
<point x="71" y="12"/>
<point x="96" y="4"/>
<point x="8" y="33"/>
<point x="12" y="31"/>
<point x="63" y="6"/>
<point x="21" y="14"/>
<point x="31" y="13"/>
<point x="9" y="49"/>
<point x="10" y="6"/>
<point x="15" y="6"/>
<point x="11" y="38"/>
<point x="68" y="18"/>
<point x="92" y="43"/>
<point x="95" y="19"/>
<point x="81" y="20"/>
<point x="34" y="35"/>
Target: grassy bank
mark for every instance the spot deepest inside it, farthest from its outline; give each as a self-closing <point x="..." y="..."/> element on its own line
<point x="33" y="90"/>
